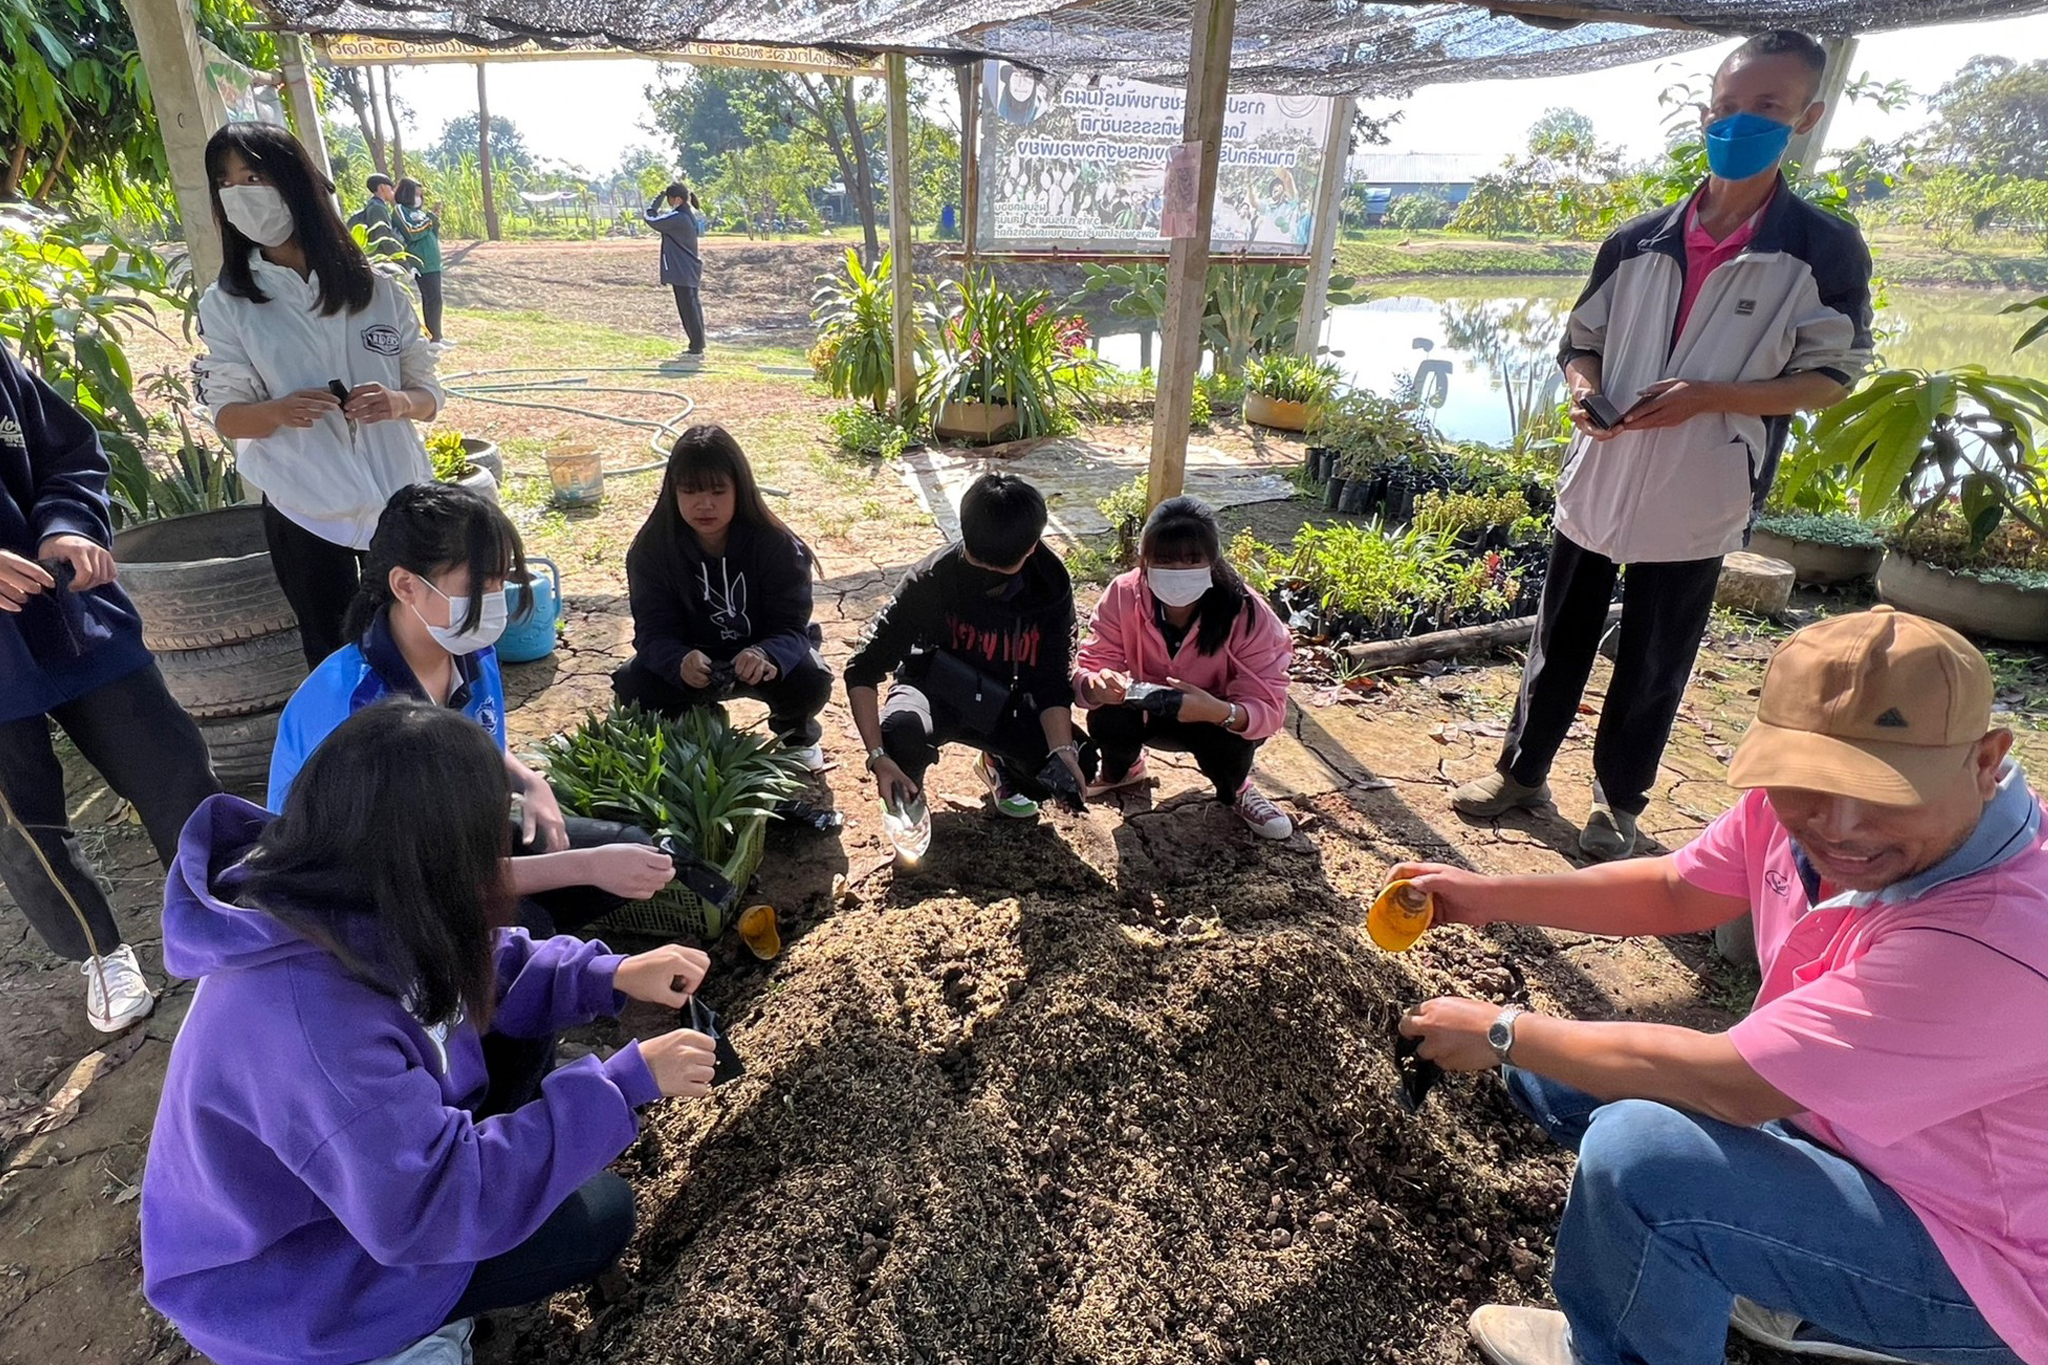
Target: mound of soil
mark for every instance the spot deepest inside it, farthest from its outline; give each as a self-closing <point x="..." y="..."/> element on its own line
<point x="1006" y="1111"/>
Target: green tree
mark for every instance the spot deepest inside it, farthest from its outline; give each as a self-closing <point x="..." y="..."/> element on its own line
<point x="642" y="172"/>
<point x="1561" y="131"/>
<point x="75" y="113"/>
<point x="458" y="139"/>
<point x="1993" y="117"/>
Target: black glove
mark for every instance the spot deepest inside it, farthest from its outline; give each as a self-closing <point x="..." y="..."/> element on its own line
<point x="1154" y="699"/>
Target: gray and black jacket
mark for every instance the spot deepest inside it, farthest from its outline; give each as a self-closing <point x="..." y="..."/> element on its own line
<point x="1796" y="300"/>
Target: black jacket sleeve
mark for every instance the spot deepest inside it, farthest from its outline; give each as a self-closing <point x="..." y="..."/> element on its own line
<point x="895" y="630"/>
<point x="66" y="483"/>
<point x="782" y="615"/>
<point x="1050" y="681"/>
<point x="661" y="616"/>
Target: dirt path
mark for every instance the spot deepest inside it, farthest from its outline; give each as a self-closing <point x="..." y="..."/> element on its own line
<point x="1108" y="1087"/>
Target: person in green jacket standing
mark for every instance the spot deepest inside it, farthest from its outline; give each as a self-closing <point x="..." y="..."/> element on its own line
<point x="422" y="229"/>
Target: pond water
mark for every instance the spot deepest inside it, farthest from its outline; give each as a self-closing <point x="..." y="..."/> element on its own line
<point x="1482" y="348"/>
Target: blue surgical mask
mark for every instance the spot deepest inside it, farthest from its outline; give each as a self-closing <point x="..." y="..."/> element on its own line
<point x="1743" y="145"/>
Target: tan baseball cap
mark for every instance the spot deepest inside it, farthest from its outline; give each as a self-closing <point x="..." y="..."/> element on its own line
<point x="1878" y="705"/>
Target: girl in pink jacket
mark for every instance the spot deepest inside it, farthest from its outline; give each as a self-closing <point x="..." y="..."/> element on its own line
<point x="1184" y="621"/>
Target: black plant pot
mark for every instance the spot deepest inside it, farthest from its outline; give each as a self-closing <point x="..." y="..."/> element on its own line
<point x="1355" y="494"/>
<point x="1375" y="494"/>
<point x="1334" y="494"/>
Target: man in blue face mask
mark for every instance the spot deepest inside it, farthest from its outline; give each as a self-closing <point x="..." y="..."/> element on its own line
<point x="1704" y="327"/>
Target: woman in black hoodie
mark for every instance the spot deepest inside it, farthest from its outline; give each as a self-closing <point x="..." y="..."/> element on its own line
<point x="717" y="580"/>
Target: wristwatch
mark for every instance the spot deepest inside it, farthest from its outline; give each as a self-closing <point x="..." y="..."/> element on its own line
<point x="1501" y="1036"/>
<point x="876" y="755"/>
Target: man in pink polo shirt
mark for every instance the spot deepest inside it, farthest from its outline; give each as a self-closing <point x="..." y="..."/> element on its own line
<point x="1857" y="1169"/>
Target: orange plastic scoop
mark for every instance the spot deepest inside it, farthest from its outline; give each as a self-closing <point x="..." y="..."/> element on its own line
<point x="758" y="931"/>
<point x="1399" y="916"/>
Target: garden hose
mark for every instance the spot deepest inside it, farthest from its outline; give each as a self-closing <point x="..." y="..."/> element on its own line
<point x="664" y="433"/>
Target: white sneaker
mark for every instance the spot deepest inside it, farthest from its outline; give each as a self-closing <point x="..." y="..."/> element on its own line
<point x="812" y="757"/>
<point x="1256" y="809"/>
<point x="1780" y="1332"/>
<point x="115" y="993"/>
<point x="1511" y="1335"/>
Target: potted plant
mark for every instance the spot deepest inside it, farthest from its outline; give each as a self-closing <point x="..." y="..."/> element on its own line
<point x="707" y="785"/>
<point x="1009" y="364"/>
<point x="1955" y="449"/>
<point x="1995" y="586"/>
<point x="1280" y="390"/>
<point x="454" y="458"/>
<point x="1823" y="548"/>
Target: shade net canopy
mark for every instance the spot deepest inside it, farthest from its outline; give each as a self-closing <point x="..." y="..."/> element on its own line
<point x="1282" y="46"/>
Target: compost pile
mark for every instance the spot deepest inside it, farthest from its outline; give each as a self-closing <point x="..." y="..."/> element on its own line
<point x="1005" y="1110"/>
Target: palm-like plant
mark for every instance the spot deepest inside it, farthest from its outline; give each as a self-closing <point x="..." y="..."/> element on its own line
<point x="1919" y="439"/>
<point x="1011" y="350"/>
<point x="855" y="312"/>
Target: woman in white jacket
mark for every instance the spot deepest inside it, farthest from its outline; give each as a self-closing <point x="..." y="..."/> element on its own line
<point x="316" y="368"/>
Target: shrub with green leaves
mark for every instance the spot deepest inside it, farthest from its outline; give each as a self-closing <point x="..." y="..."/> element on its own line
<point x="1822" y="528"/>
<point x="1292" y="378"/>
<point x="2012" y="553"/>
<point x="696" y="778"/>
<point x="1366" y="430"/>
<point x="855" y="313"/>
<point x="445" y="452"/>
<point x="864" y="431"/>
<point x="1457" y="513"/>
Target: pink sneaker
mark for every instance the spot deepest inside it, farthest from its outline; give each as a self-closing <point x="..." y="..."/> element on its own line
<point x="1132" y="778"/>
<point x="1256" y="809"/>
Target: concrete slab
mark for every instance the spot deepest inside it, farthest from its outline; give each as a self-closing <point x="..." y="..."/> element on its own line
<point x="1075" y="473"/>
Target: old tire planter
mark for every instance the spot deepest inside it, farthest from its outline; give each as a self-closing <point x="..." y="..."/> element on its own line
<point x="484" y="455"/>
<point x="240" y="746"/>
<point x="479" y="480"/>
<point x="203" y="580"/>
<point x="1817" y="564"/>
<point x="2001" y="611"/>
<point x="236" y="680"/>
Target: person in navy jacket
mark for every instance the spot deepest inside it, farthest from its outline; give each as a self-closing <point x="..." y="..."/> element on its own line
<point x="71" y="651"/>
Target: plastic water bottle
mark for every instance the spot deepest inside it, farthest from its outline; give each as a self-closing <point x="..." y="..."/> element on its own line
<point x="908" y="823"/>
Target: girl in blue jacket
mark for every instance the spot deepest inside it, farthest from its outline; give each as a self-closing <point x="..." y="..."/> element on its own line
<point x="337" y="1170"/>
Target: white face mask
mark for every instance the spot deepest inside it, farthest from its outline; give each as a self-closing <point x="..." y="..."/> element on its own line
<point x="489" y="626"/>
<point x="1180" y="587"/>
<point x="258" y="213"/>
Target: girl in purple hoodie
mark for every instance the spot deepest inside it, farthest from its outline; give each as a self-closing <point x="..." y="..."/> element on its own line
<point x="337" y="1174"/>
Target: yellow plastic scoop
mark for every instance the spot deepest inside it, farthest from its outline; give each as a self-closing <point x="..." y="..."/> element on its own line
<point x="1400" y="915"/>
<point x="758" y="931"/>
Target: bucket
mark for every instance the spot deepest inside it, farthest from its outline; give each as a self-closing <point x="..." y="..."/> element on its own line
<point x="577" y="473"/>
<point x="533" y="637"/>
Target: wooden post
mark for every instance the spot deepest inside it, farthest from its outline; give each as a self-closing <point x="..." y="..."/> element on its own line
<point x="169" y="44"/>
<point x="300" y="101"/>
<point x="1322" y="242"/>
<point x="1806" y="148"/>
<point x="483" y="154"/>
<point x="970" y="161"/>
<point x="1187" y="271"/>
<point x="899" y="232"/>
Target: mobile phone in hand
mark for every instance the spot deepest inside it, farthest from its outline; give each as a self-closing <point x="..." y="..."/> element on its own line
<point x="1600" y="411"/>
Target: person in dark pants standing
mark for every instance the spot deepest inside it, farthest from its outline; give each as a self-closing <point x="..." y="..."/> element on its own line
<point x="422" y="229"/>
<point x="71" y="651"/>
<point x="682" y="269"/>
<point x="296" y="315"/>
<point x="716" y="578"/>
<point x="1704" y="327"/>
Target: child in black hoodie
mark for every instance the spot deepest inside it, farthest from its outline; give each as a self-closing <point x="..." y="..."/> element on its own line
<point x="981" y="638"/>
<point x="715" y="578"/>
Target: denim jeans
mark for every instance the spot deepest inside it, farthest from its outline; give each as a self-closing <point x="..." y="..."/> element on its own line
<point x="1672" y="1215"/>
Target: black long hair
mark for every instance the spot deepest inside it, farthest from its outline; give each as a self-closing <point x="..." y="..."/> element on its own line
<point x="1185" y="527"/>
<point x="346" y="281"/>
<point x="705" y="456"/>
<point x="408" y="194"/>
<point x="427" y="528"/>
<point x="405" y="891"/>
